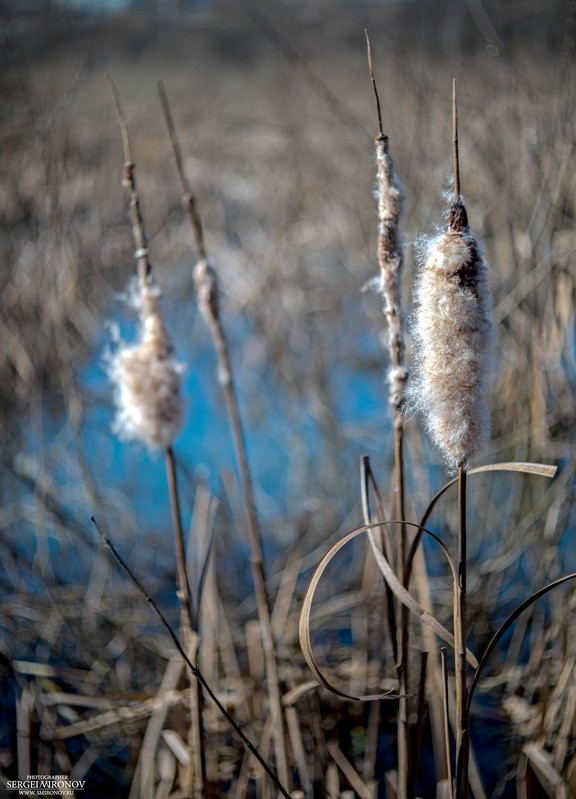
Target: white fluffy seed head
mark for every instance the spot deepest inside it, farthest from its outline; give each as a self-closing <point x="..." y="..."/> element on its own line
<point x="147" y="377"/>
<point x="453" y="336"/>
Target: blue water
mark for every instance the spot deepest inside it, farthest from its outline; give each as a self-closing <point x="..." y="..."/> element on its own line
<point x="279" y="425"/>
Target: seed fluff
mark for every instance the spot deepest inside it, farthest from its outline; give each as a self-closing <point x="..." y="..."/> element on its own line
<point x="453" y="335"/>
<point x="147" y="377"/>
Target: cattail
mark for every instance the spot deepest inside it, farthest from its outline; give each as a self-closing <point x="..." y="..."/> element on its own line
<point x="453" y="333"/>
<point x="147" y="377"/>
<point x="206" y="286"/>
<point x="390" y="259"/>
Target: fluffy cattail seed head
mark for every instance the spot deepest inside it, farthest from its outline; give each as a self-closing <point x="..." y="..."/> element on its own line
<point x="390" y="259"/>
<point x="147" y="377"/>
<point x="453" y="333"/>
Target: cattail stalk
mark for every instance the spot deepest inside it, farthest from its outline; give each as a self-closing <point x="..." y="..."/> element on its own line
<point x="446" y="720"/>
<point x="454" y="335"/>
<point x="461" y="620"/>
<point x="390" y="260"/>
<point x="206" y="286"/>
<point x="461" y="636"/>
<point x="148" y="378"/>
<point x="454" y="339"/>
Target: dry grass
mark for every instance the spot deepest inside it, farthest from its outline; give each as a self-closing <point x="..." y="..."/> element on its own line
<point x="284" y="175"/>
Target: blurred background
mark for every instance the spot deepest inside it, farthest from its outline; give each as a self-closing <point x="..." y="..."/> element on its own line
<point x="275" y="113"/>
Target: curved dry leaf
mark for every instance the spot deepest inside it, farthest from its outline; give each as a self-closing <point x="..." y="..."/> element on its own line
<point x="506" y="624"/>
<point x="401" y="593"/>
<point x="525" y="467"/>
<point x="541" y="469"/>
<point x="304" y="626"/>
<point x="291" y="697"/>
<point x="398" y="590"/>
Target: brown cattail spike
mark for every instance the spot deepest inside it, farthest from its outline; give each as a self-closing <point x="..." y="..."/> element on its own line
<point x="458" y="217"/>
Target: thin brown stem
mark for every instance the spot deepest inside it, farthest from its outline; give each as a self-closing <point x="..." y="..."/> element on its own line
<point x="404" y="621"/>
<point x="374" y="87"/>
<point x="390" y="260"/>
<point x="256" y="558"/>
<point x="143" y="265"/>
<point x="399" y="487"/>
<point x="461" y="635"/>
<point x="188" y="198"/>
<point x="120" y="116"/>
<point x="446" y="719"/>
<point x="183" y="585"/>
<point x="419" y="731"/>
<point x="455" y="142"/>
<point x="207" y="292"/>
<point x="197" y="773"/>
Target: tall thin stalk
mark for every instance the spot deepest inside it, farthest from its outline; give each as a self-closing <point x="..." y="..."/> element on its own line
<point x="461" y="622"/>
<point x="390" y="260"/>
<point x="461" y="635"/>
<point x="189" y="624"/>
<point x="446" y="720"/>
<point x="453" y="342"/>
<point x="207" y="293"/>
<point x="196" y="777"/>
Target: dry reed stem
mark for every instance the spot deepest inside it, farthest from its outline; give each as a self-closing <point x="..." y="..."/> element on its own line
<point x="349" y="771"/>
<point x="207" y="298"/>
<point x="418" y="736"/>
<point x="461" y="619"/>
<point x="202" y="533"/>
<point x="189" y="623"/>
<point x="296" y="739"/>
<point x="196" y="774"/>
<point x="397" y="588"/>
<point x="195" y="670"/>
<point x="367" y="480"/>
<point x="24" y="712"/>
<point x="446" y="719"/>
<point x="390" y="259"/>
<point x="460" y="634"/>
<point x="144" y="777"/>
<point x="205" y="282"/>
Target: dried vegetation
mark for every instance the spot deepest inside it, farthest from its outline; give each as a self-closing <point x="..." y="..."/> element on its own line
<point x="279" y="152"/>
